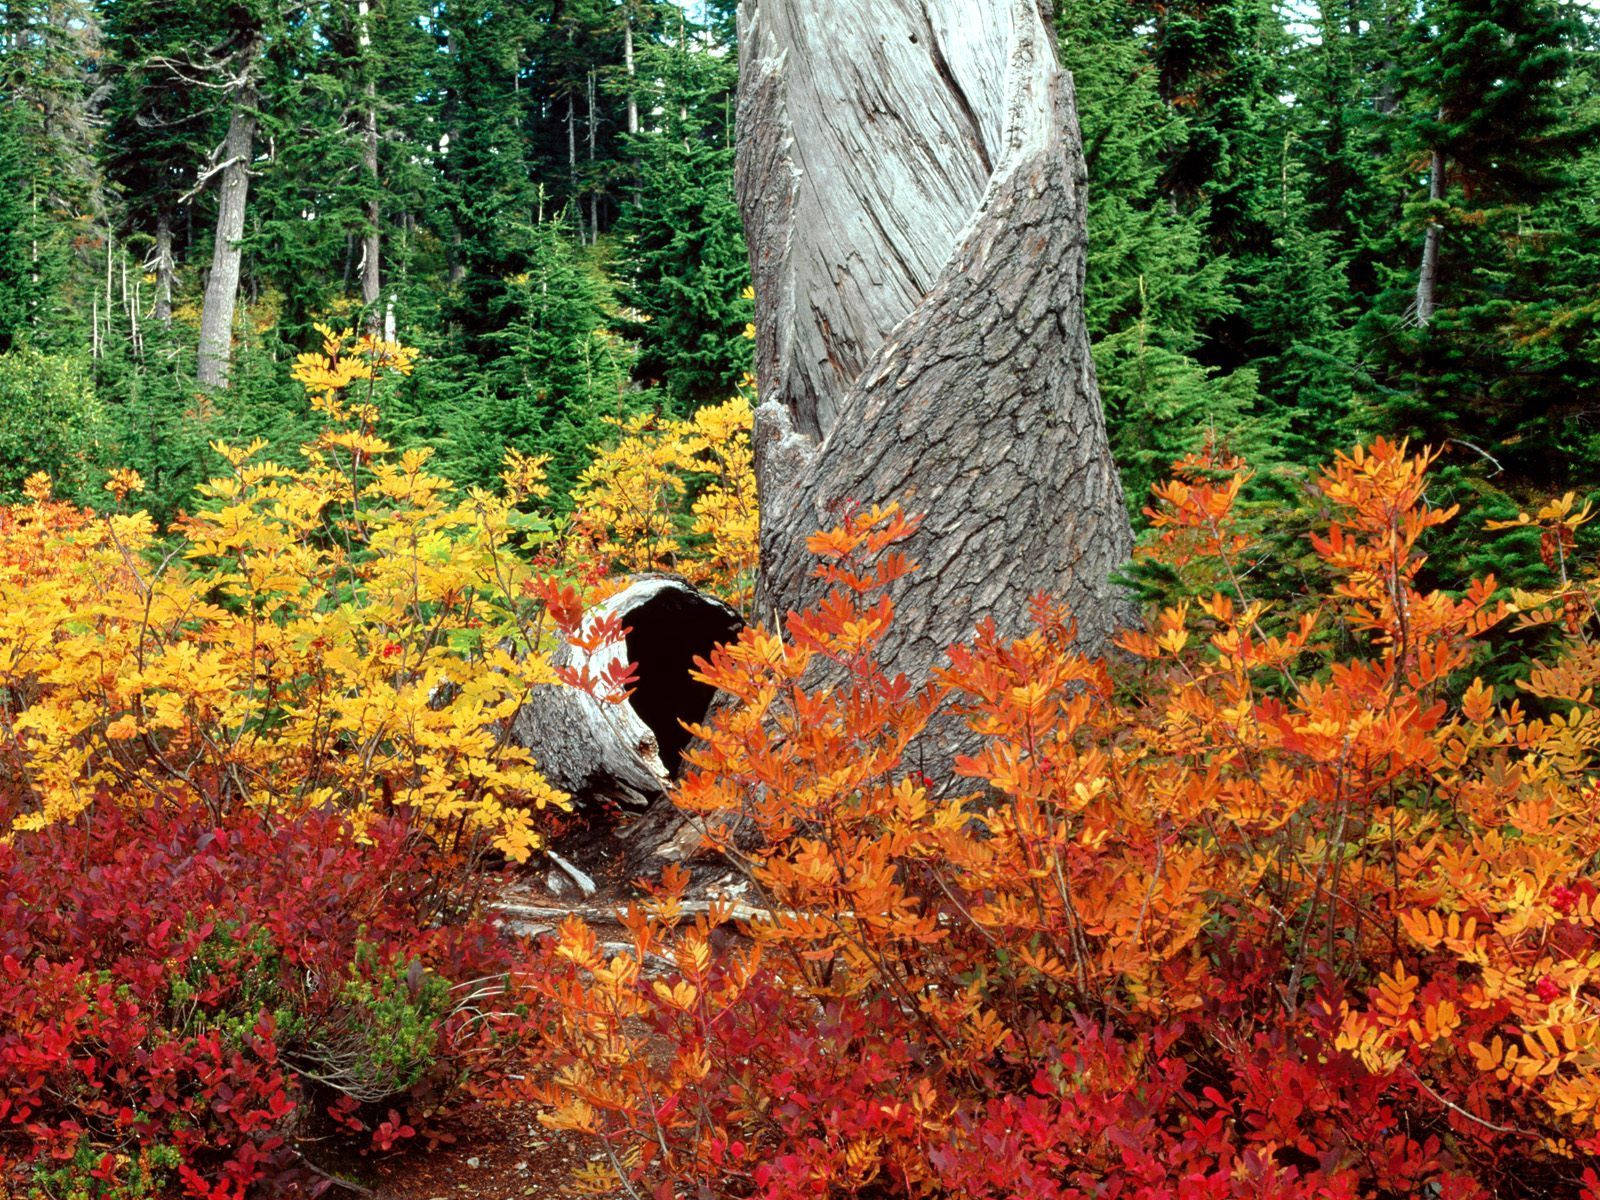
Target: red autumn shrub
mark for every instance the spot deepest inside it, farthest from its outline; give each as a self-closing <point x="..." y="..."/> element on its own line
<point x="179" y="998"/>
<point x="1281" y="906"/>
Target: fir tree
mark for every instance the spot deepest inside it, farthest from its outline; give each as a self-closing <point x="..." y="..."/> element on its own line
<point x="558" y="370"/>
<point x="489" y="197"/>
<point x="159" y="127"/>
<point x="1152" y="284"/>
<point x="18" y="273"/>
<point x="1491" y="119"/>
<point x="685" y="268"/>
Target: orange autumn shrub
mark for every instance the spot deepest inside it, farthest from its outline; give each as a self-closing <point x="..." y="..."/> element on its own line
<point x="1235" y="915"/>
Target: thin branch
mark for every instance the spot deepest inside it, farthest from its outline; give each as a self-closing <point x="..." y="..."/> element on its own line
<point x="1480" y="450"/>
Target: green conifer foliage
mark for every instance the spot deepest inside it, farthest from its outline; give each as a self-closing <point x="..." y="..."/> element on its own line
<point x="160" y="123"/>
<point x="558" y="371"/>
<point x="489" y="198"/>
<point x="1481" y="356"/>
<point x="556" y="231"/>
<point x="684" y="265"/>
<point x="18" y="284"/>
<point x="1152" y="282"/>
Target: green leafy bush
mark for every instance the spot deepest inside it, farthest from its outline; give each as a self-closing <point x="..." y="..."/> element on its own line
<point x="50" y="420"/>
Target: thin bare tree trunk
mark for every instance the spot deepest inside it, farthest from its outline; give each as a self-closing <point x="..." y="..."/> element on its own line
<point x="371" y="243"/>
<point x="914" y="191"/>
<point x="222" y="285"/>
<point x="594" y="193"/>
<point x="136" y="330"/>
<point x="631" y="66"/>
<point x="572" y="151"/>
<point x="1428" y="274"/>
<point x="632" y="70"/>
<point x="165" y="269"/>
<point x="111" y="242"/>
<point x="572" y="160"/>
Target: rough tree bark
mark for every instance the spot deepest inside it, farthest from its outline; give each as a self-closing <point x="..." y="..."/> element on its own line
<point x="913" y="187"/>
<point x="222" y="285"/>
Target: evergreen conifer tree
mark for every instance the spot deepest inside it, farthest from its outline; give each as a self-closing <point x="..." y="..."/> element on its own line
<point x="18" y="274"/>
<point x="557" y="371"/>
<point x="1152" y="281"/>
<point x="683" y="260"/>
<point x="1491" y="120"/>
<point x="488" y="193"/>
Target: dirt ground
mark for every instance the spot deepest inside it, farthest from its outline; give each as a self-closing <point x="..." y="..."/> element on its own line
<point x="503" y="1154"/>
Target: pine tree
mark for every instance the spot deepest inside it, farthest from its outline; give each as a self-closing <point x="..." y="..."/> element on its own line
<point x="18" y="274"/>
<point x="558" y="370"/>
<point x="313" y="73"/>
<point x="489" y="196"/>
<point x="1152" y="283"/>
<point x="683" y="260"/>
<point x="47" y="48"/>
<point x="1491" y="121"/>
<point x="1343" y="82"/>
<point x="230" y="65"/>
<point x="159" y="126"/>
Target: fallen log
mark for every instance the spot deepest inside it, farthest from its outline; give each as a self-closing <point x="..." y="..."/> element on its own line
<point x="627" y="753"/>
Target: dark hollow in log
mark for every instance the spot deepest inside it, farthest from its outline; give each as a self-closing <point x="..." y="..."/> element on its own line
<point x="598" y="750"/>
<point x="667" y="631"/>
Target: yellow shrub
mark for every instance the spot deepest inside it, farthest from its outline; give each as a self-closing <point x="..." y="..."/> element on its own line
<point x="346" y="630"/>
<point x="677" y="496"/>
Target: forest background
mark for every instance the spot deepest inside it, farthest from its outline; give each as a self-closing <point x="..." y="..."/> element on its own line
<point x="538" y="196"/>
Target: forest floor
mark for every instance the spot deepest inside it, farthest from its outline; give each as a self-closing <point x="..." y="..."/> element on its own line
<point x="499" y="1154"/>
<point x="502" y="1152"/>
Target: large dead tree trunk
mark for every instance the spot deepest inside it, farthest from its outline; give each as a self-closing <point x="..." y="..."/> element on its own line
<point x="913" y="187"/>
<point x="222" y="285"/>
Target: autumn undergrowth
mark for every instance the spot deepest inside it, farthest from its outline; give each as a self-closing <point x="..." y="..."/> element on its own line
<point x="1280" y="900"/>
<point x="1286" y="902"/>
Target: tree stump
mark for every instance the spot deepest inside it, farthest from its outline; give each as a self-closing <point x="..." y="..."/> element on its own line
<point x="914" y="193"/>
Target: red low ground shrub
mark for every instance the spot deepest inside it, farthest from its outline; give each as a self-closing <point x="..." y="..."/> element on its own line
<point x="181" y="999"/>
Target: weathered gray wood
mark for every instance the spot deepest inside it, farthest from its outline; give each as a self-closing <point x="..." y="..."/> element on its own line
<point x="914" y="192"/>
<point x="1428" y="273"/>
<point x="598" y="750"/>
<point x="222" y="284"/>
<point x="165" y="270"/>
